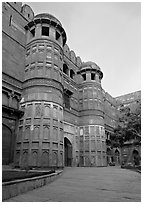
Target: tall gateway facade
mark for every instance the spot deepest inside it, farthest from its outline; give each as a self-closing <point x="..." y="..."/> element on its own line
<point x="55" y="112"/>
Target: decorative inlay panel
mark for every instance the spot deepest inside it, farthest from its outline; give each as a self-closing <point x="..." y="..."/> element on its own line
<point x="28" y="121"/>
<point x="55" y="145"/>
<point x="35" y="145"/>
<point x="43" y="82"/>
<point x="27" y="132"/>
<point x="20" y="132"/>
<point x="45" y="145"/>
<point x="36" y="132"/>
<point x="47" y="110"/>
<point x="46" y="121"/>
<point x="45" y="159"/>
<point x="25" y="145"/>
<point x="34" y="158"/>
<point x="29" y="110"/>
<point x="54" y="158"/>
<point x="46" y="132"/>
<point x="25" y="158"/>
<point x="37" y="110"/>
<point x="55" y="133"/>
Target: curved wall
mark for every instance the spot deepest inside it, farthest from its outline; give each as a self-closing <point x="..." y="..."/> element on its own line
<point x="40" y="138"/>
<point x="92" y="130"/>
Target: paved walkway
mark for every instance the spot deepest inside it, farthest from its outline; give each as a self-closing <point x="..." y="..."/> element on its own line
<point x="79" y="184"/>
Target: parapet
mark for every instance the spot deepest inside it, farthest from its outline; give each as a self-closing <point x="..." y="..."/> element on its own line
<point x="128" y="98"/>
<point x="92" y="69"/>
<point x="90" y="64"/>
<point x="72" y="56"/>
<point x="47" y="26"/>
<point x="48" y="16"/>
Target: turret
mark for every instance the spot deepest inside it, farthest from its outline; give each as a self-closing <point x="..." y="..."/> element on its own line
<point x="92" y="133"/>
<point x="46" y="26"/>
<point x="41" y="128"/>
<point x="90" y="72"/>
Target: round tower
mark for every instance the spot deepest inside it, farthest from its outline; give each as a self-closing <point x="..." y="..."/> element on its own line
<point x="40" y="136"/>
<point x="92" y="132"/>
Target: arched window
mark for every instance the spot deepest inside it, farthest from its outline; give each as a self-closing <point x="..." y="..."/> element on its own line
<point x="6" y="144"/>
<point x="66" y="100"/>
<point x="92" y="76"/>
<point x="66" y="97"/>
<point x="65" y="69"/>
<point x="72" y="74"/>
<point x="45" y="31"/>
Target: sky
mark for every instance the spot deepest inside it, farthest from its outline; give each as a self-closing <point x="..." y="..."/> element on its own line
<point x="108" y="34"/>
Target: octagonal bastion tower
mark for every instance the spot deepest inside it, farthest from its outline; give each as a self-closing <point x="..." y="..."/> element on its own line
<point x="91" y="121"/>
<point x="40" y="140"/>
<point x="40" y="134"/>
<point x="54" y="110"/>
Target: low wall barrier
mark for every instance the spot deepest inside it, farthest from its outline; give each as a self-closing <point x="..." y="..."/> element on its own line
<point x="14" y="188"/>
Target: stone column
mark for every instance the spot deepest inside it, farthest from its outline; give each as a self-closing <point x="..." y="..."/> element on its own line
<point x="38" y="30"/>
<point x="88" y="76"/>
<point x="52" y="33"/>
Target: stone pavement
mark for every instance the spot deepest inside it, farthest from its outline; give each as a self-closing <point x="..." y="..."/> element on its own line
<point x="85" y="184"/>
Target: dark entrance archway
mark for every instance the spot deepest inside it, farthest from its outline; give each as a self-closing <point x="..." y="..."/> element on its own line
<point x="6" y="144"/>
<point x="68" y="152"/>
<point x="136" y="157"/>
<point x="108" y="155"/>
<point x="117" y="157"/>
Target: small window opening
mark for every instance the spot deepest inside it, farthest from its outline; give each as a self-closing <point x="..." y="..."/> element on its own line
<point x="84" y="77"/>
<point x="45" y="31"/>
<point x="28" y="15"/>
<point x="33" y="32"/>
<point x="92" y="76"/>
<point x="57" y="35"/>
<point x="67" y="100"/>
<point x="65" y="69"/>
<point x="72" y="74"/>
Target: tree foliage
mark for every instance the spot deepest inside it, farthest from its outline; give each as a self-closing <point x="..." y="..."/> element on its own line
<point x="129" y="128"/>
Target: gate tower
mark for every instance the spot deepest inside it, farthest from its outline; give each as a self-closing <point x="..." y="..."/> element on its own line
<point x="92" y="133"/>
<point x="40" y="134"/>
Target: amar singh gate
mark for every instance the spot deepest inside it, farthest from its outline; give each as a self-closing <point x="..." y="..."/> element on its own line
<point x="55" y="112"/>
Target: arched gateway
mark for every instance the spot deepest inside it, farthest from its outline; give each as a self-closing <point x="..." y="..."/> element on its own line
<point x="136" y="157"/>
<point x="68" y="152"/>
<point x="6" y="144"/>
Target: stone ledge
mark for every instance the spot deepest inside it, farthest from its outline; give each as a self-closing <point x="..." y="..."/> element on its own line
<point x="14" y="188"/>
